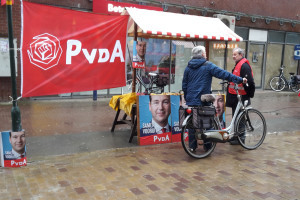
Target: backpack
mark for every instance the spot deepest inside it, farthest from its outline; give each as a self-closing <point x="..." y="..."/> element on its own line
<point x="250" y="89"/>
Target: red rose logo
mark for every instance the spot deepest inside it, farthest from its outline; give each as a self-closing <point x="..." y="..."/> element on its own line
<point x="45" y="51"/>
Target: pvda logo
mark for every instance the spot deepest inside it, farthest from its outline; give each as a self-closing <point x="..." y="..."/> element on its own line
<point x="45" y="51"/>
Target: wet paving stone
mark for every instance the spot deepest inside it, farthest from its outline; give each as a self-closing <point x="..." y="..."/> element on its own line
<point x="230" y="171"/>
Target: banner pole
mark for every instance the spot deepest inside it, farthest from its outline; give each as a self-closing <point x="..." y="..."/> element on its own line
<point x="15" y="111"/>
<point x="133" y="69"/>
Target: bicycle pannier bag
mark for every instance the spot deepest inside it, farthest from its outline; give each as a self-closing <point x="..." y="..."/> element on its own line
<point x="182" y="115"/>
<point x="203" y="117"/>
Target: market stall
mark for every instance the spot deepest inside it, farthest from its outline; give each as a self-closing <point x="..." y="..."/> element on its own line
<point x="172" y="26"/>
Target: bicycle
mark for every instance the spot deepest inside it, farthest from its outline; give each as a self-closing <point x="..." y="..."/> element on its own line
<point x="248" y="125"/>
<point x="152" y="83"/>
<point x="278" y="83"/>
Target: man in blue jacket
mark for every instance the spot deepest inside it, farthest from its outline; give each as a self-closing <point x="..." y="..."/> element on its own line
<point x="197" y="81"/>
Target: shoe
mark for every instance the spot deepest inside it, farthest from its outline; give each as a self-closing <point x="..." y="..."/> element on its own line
<point x="234" y="141"/>
<point x="207" y="146"/>
<point x="243" y="139"/>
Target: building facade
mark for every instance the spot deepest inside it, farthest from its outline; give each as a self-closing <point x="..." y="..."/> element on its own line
<point x="270" y="30"/>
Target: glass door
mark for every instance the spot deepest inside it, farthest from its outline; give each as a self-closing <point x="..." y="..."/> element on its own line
<point x="256" y="59"/>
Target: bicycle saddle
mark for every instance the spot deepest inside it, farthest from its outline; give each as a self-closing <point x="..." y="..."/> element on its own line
<point x="152" y="74"/>
<point x="208" y="98"/>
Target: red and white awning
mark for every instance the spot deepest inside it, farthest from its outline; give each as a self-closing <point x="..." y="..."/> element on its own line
<point x="176" y="26"/>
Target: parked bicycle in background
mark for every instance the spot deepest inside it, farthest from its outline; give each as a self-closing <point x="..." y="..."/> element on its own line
<point x="150" y="83"/>
<point x="278" y="83"/>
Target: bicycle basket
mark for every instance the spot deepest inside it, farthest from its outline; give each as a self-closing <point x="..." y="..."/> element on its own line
<point x="203" y="116"/>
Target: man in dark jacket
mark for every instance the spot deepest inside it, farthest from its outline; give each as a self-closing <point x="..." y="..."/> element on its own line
<point x="197" y="80"/>
<point x="198" y="76"/>
<point x="243" y="69"/>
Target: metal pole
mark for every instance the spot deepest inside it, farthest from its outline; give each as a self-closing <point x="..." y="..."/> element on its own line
<point x="133" y="69"/>
<point x="95" y="95"/>
<point x="15" y="111"/>
<point x="170" y="66"/>
<point x="225" y="62"/>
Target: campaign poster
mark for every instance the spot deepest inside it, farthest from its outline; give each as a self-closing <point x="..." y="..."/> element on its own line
<point x="176" y="131"/>
<point x="139" y="53"/>
<point x="13" y="149"/>
<point x="219" y="104"/>
<point x="154" y="119"/>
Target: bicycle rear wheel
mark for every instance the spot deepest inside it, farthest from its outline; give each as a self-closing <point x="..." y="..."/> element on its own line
<point x="193" y="145"/>
<point x="277" y="84"/>
<point x="295" y="87"/>
<point x="252" y="129"/>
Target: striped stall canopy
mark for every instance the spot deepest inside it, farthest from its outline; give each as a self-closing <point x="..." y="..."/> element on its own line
<point x="158" y="24"/>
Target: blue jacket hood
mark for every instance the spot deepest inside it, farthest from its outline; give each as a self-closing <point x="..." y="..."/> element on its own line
<point x="196" y="63"/>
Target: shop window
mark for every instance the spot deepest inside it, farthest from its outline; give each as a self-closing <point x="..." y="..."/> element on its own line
<point x="293" y="38"/>
<point x="276" y="36"/>
<point x="258" y="35"/>
<point x="216" y="56"/>
<point x="243" y="32"/>
<point x="159" y="58"/>
<point x="288" y="60"/>
<point x="273" y="62"/>
<point x="5" y="59"/>
<point x="183" y="55"/>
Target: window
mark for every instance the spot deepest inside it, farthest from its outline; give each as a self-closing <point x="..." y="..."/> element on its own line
<point x="243" y="32"/>
<point x="276" y="36"/>
<point x="293" y="38"/>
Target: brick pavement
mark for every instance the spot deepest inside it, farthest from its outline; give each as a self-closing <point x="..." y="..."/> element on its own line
<point x="162" y="172"/>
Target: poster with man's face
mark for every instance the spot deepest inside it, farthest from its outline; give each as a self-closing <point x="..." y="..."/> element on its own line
<point x="139" y="53"/>
<point x="13" y="149"/>
<point x="176" y="101"/>
<point x="154" y="119"/>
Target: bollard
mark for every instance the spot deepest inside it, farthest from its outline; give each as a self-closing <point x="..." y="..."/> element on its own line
<point x="95" y="95"/>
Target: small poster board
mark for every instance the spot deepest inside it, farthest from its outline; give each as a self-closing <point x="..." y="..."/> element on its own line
<point x="139" y="52"/>
<point x="13" y="149"/>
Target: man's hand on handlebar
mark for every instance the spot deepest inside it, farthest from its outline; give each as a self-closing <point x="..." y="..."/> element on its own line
<point x="244" y="80"/>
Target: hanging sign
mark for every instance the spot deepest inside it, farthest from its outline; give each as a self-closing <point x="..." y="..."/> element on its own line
<point x="67" y="51"/>
<point x="297" y="52"/>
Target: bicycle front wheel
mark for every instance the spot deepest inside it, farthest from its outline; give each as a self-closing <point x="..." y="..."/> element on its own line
<point x="277" y="84"/>
<point x="192" y="143"/>
<point x="252" y="129"/>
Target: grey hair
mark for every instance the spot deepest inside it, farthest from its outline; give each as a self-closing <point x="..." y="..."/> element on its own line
<point x="198" y="51"/>
<point x="240" y="51"/>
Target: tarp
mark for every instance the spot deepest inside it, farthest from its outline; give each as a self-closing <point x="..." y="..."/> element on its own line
<point x="158" y="24"/>
<point x="67" y="51"/>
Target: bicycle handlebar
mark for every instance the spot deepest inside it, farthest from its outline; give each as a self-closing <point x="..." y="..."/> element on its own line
<point x="235" y="85"/>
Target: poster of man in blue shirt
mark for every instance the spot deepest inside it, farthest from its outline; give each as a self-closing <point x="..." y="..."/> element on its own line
<point x="13" y="148"/>
<point x="155" y="120"/>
